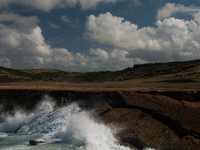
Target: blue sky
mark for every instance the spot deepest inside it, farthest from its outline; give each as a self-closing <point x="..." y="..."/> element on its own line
<point x="97" y="35"/>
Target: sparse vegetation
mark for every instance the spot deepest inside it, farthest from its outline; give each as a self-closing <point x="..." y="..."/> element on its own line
<point x="179" y="81"/>
<point x="172" y="74"/>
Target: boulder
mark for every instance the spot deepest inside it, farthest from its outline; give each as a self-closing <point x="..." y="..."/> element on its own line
<point x="33" y="142"/>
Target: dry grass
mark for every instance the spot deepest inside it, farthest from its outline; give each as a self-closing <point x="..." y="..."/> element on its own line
<point x="153" y="82"/>
<point x="183" y="75"/>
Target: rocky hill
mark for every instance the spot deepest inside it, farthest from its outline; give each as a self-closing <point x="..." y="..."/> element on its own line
<point x="188" y="71"/>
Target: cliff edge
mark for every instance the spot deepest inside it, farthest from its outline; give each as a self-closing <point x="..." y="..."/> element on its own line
<point x="159" y="118"/>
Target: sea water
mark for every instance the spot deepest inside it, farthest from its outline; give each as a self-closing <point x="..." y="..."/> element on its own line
<point x="65" y="128"/>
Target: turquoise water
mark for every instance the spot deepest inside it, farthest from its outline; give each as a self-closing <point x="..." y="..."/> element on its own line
<point x="66" y="128"/>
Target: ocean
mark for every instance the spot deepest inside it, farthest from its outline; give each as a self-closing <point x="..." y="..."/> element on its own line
<point x="63" y="128"/>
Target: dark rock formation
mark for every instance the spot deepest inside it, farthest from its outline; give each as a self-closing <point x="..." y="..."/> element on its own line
<point x="159" y="118"/>
<point x="33" y="142"/>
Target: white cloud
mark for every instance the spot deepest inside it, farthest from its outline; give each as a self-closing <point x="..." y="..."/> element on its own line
<point x="60" y="58"/>
<point x="16" y="41"/>
<point x="23" y="37"/>
<point x="175" y="38"/>
<point x="134" y="3"/>
<point x="65" y="19"/>
<point x="5" y="62"/>
<point x="99" y="53"/>
<point x="112" y="30"/>
<point x="44" y="5"/>
<point x="54" y="26"/>
<point x="88" y="4"/>
<point x="25" y="21"/>
<point x="114" y="60"/>
<point x="182" y="35"/>
<point x="4" y="3"/>
<point x="63" y="59"/>
<point x="23" y="46"/>
<point x="47" y="5"/>
<point x="171" y="8"/>
<point x="72" y="23"/>
<point x="197" y="17"/>
<point x="98" y="59"/>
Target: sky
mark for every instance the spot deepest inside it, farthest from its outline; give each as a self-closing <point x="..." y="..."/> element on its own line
<point x="97" y="35"/>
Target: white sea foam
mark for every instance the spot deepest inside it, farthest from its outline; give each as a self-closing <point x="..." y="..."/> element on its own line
<point x="2" y="134"/>
<point x="70" y="126"/>
<point x="13" y="122"/>
<point x="83" y="131"/>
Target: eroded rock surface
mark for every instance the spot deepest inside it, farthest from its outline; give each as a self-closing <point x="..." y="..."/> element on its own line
<point x="151" y="119"/>
<point x="162" y="119"/>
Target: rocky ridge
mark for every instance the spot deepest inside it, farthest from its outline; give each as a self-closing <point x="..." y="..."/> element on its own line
<point x="159" y="118"/>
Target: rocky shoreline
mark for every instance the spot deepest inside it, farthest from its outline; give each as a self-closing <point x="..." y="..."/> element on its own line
<point x="159" y="118"/>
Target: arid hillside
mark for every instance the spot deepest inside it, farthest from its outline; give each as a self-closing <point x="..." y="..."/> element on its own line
<point x="171" y="75"/>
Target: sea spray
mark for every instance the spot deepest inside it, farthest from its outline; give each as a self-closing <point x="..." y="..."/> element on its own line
<point x="64" y="128"/>
<point x="11" y="123"/>
<point x="83" y="131"/>
<point x="51" y="121"/>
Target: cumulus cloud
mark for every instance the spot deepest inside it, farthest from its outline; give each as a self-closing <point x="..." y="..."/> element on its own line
<point x="178" y="38"/>
<point x="112" y="30"/>
<point x="60" y="58"/>
<point x="16" y="41"/>
<point x="97" y="59"/>
<point x="21" y="41"/>
<point x="23" y="46"/>
<point x="197" y="17"/>
<point x="114" y="60"/>
<point x="171" y="8"/>
<point x="47" y="5"/>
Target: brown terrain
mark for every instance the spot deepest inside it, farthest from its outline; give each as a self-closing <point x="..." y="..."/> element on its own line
<point x="154" y="105"/>
<point x="161" y="118"/>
